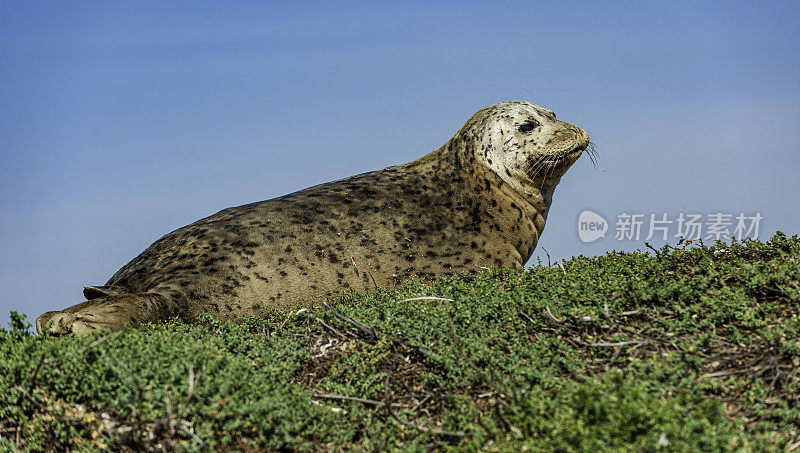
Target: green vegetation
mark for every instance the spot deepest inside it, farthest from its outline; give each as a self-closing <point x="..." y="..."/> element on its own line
<point x="677" y="349"/>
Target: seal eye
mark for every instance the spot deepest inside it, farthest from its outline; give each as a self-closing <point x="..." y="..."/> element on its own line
<point x="527" y="126"/>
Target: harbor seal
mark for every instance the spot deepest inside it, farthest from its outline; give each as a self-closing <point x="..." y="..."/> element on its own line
<point x="481" y="200"/>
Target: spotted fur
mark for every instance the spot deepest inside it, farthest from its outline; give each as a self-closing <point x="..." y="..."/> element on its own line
<point x="481" y="200"/>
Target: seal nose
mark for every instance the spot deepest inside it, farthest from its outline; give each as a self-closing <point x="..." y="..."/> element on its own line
<point x="581" y="137"/>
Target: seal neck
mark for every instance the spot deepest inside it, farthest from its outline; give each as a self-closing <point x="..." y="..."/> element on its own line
<point x="534" y="206"/>
<point x="518" y="218"/>
<point x="535" y="196"/>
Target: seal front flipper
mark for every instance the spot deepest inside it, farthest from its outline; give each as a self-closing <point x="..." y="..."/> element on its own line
<point x="111" y="312"/>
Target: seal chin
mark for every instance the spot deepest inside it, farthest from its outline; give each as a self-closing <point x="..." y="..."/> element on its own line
<point x="570" y="157"/>
<point x="550" y="166"/>
<point x="573" y="155"/>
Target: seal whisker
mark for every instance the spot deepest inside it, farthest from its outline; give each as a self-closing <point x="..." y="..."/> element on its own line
<point x="533" y="98"/>
<point x="538" y="168"/>
<point x="551" y="169"/>
<point x="594" y="156"/>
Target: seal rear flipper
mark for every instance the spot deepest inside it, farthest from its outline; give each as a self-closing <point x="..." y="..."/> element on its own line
<point x="96" y="292"/>
<point x="111" y="312"/>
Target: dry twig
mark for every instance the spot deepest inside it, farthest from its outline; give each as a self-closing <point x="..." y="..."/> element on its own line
<point x="438" y="432"/>
<point x="22" y="391"/>
<point x="527" y="317"/>
<point x="550" y="315"/>
<point x="81" y="350"/>
<point x="329" y="327"/>
<point x="426" y="298"/>
<point x="329" y="396"/>
<point x="618" y="343"/>
<point x="362" y="327"/>
<point x="548" y="256"/>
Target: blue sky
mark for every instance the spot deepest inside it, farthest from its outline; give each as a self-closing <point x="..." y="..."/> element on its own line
<point x="121" y="122"/>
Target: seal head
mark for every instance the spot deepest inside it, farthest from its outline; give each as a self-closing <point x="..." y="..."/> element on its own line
<point x="524" y="144"/>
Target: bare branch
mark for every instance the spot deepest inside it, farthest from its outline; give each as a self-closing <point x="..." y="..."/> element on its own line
<point x="135" y="381"/>
<point x="729" y="372"/>
<point x="527" y="317"/>
<point x="550" y="315"/>
<point x="613" y="345"/>
<point x="329" y="327"/>
<point x="82" y="350"/>
<point x="22" y="391"/>
<point x="329" y="396"/>
<point x="362" y="327"/>
<point x="548" y="256"/>
<point x="192" y="385"/>
<point x="425" y="298"/>
<point x="438" y="432"/>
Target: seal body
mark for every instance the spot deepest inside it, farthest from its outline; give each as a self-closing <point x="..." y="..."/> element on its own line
<point x="479" y="201"/>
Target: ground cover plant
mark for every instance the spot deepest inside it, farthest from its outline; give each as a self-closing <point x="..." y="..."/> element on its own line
<point x="683" y="348"/>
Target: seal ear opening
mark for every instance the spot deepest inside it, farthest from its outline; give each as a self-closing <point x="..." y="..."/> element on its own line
<point x="96" y="292"/>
